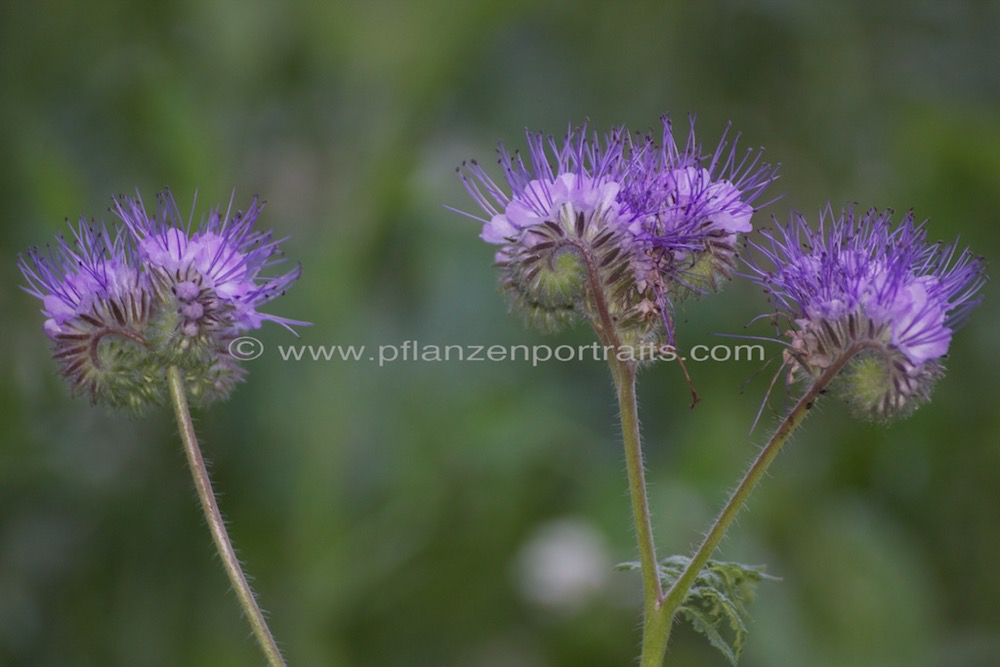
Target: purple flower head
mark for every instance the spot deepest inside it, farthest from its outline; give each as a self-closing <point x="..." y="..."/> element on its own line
<point x="871" y="297"/>
<point x="85" y="280"/>
<point x="639" y="220"/>
<point x="561" y="227"/>
<point x="96" y="303"/>
<point x="557" y="184"/>
<point x="212" y="271"/>
<point x="689" y="207"/>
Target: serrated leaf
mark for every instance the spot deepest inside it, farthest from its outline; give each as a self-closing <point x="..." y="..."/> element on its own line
<point x="716" y="604"/>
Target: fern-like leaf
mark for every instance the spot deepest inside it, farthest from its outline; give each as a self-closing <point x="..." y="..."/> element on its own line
<point x="717" y="603"/>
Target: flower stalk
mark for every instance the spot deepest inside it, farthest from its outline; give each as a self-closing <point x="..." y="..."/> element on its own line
<point x="654" y="632"/>
<point x="678" y="592"/>
<point x="216" y="524"/>
<point x="144" y="312"/>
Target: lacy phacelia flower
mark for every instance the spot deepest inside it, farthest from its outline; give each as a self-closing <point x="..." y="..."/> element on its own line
<point x="624" y="223"/>
<point x="213" y="272"/>
<point x="561" y="226"/>
<point x="870" y="298"/>
<point x="688" y="210"/>
<point x="97" y="305"/>
<point x="121" y="309"/>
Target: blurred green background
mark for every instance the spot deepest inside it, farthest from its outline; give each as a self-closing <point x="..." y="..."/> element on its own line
<point x="470" y="514"/>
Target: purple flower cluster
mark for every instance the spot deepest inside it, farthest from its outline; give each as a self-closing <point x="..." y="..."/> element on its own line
<point x="870" y="297"/>
<point x="617" y="228"/>
<point x="649" y="220"/>
<point x="122" y="306"/>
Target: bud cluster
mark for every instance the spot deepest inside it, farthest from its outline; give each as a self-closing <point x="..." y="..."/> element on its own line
<point x="123" y="305"/>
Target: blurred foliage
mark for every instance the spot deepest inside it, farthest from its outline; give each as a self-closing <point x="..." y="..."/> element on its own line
<point x="384" y="513"/>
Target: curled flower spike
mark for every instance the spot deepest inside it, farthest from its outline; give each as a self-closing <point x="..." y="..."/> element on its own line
<point x="689" y="209"/>
<point x="97" y="306"/>
<point x="559" y="228"/>
<point x="208" y="280"/>
<point x="122" y="306"/>
<point x="860" y="289"/>
<point x="621" y="224"/>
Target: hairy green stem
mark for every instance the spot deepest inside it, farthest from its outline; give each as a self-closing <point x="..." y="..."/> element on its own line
<point x="654" y="633"/>
<point x="678" y="591"/>
<point x="215" y="523"/>
<point x="655" y="624"/>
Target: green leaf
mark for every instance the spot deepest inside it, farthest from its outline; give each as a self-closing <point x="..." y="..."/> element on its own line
<point x="717" y="603"/>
